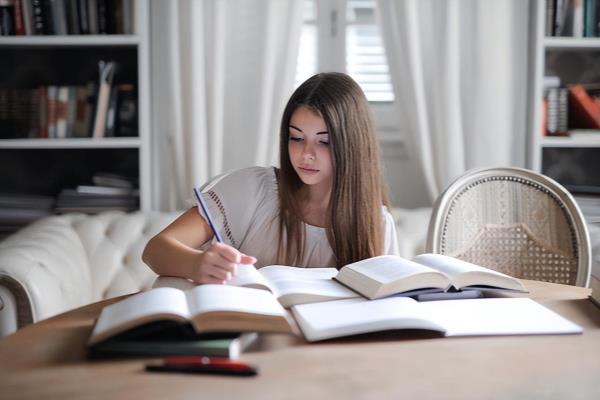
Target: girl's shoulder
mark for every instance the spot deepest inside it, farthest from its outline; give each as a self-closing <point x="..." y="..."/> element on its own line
<point x="253" y="181"/>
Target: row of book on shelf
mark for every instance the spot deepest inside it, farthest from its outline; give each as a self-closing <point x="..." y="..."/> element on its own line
<point x="107" y="191"/>
<point x="570" y="107"/>
<point x="573" y="18"/>
<point x="94" y="110"/>
<point x="66" y="17"/>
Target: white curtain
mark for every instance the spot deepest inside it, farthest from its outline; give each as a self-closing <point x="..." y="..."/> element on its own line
<point x="222" y="72"/>
<point x="459" y="70"/>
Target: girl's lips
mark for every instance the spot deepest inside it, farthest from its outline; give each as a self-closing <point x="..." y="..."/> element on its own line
<point x="308" y="170"/>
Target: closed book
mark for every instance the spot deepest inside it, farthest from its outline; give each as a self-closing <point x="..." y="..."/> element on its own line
<point x="19" y="20"/>
<point x="27" y="10"/>
<point x="38" y="9"/>
<point x="229" y="345"/>
<point x="7" y="18"/>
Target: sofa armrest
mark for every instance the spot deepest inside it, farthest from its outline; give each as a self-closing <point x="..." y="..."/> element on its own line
<point x="44" y="271"/>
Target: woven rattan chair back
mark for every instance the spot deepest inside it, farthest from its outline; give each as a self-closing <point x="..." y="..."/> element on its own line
<point x="514" y="221"/>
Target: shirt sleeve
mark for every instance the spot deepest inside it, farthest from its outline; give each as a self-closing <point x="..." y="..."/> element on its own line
<point x="391" y="237"/>
<point x="232" y="199"/>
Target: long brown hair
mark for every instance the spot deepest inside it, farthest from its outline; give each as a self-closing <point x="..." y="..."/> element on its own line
<point x="355" y="221"/>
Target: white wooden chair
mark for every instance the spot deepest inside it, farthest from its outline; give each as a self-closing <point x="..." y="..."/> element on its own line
<point x="515" y="221"/>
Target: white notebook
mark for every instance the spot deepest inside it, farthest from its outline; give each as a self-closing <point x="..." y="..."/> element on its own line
<point x="472" y="317"/>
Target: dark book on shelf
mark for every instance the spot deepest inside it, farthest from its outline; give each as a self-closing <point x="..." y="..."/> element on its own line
<point x="7" y="18"/>
<point x="19" y="20"/>
<point x="127" y="115"/>
<point x="38" y="17"/>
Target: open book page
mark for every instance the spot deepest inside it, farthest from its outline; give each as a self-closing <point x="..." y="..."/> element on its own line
<point x="320" y="321"/>
<point x="249" y="276"/>
<point x="497" y="316"/>
<point x="385" y="275"/>
<point x="294" y="285"/>
<point x="467" y="275"/>
<point x="232" y="308"/>
<point x="153" y="305"/>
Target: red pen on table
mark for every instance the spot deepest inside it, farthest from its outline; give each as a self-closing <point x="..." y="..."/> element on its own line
<point x="203" y="365"/>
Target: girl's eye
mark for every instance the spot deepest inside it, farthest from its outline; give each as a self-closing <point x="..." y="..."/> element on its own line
<point x="295" y="139"/>
<point x="326" y="143"/>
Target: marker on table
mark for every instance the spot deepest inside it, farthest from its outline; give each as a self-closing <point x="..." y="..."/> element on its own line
<point x="208" y="216"/>
<point x="203" y="365"/>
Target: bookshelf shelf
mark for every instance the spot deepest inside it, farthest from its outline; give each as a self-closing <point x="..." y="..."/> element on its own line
<point x="569" y="43"/>
<point x="72" y="143"/>
<point x="70" y="40"/>
<point x="575" y="140"/>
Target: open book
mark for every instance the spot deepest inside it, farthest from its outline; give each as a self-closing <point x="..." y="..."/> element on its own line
<point x="290" y="285"/>
<point x="205" y="309"/>
<point x="387" y="275"/>
<point x="476" y="317"/>
<point x="372" y="278"/>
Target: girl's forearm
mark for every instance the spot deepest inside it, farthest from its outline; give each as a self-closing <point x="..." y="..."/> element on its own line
<point x="168" y="256"/>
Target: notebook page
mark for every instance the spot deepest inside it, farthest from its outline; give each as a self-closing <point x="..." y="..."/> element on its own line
<point x="497" y="316"/>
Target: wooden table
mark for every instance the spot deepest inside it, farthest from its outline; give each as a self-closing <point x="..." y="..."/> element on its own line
<point x="47" y="360"/>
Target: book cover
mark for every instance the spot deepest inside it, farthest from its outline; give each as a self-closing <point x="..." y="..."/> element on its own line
<point x="229" y="345"/>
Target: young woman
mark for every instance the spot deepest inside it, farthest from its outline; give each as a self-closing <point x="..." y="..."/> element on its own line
<point x="325" y="206"/>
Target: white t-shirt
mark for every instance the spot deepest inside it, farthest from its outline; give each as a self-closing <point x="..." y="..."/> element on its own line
<point x="244" y="205"/>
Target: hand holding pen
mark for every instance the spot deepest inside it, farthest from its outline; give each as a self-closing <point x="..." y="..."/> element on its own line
<point x="218" y="263"/>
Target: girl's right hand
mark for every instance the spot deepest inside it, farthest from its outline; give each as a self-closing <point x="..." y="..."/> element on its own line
<point x="218" y="264"/>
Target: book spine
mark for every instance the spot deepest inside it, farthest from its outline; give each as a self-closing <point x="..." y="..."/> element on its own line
<point x="128" y="17"/>
<point x="62" y="105"/>
<point x="7" y="18"/>
<point x="27" y="11"/>
<point x="93" y="16"/>
<point x="52" y="110"/>
<point x="590" y="18"/>
<point x="19" y="21"/>
<point x="38" y="17"/>
<point x="102" y="16"/>
<point x="72" y="17"/>
<point x="550" y="7"/>
<point x="83" y="17"/>
<point x="48" y="17"/>
<point x="577" y="6"/>
<point x="43" y="122"/>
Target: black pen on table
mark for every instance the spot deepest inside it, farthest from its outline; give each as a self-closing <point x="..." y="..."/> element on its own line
<point x="208" y="216"/>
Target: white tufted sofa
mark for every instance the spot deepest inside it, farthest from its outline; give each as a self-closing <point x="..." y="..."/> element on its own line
<point x="63" y="262"/>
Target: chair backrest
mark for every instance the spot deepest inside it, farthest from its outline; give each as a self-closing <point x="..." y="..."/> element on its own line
<point x="514" y="221"/>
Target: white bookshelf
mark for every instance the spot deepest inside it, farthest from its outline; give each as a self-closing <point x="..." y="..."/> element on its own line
<point x="547" y="53"/>
<point x="137" y="45"/>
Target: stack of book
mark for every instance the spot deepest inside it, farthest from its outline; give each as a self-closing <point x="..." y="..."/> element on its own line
<point x="18" y="210"/>
<point x="109" y="192"/>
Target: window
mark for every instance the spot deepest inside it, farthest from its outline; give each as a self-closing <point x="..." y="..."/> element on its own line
<point x="342" y="35"/>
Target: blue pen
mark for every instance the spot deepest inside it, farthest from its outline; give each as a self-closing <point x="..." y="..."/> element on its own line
<point x="208" y="216"/>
